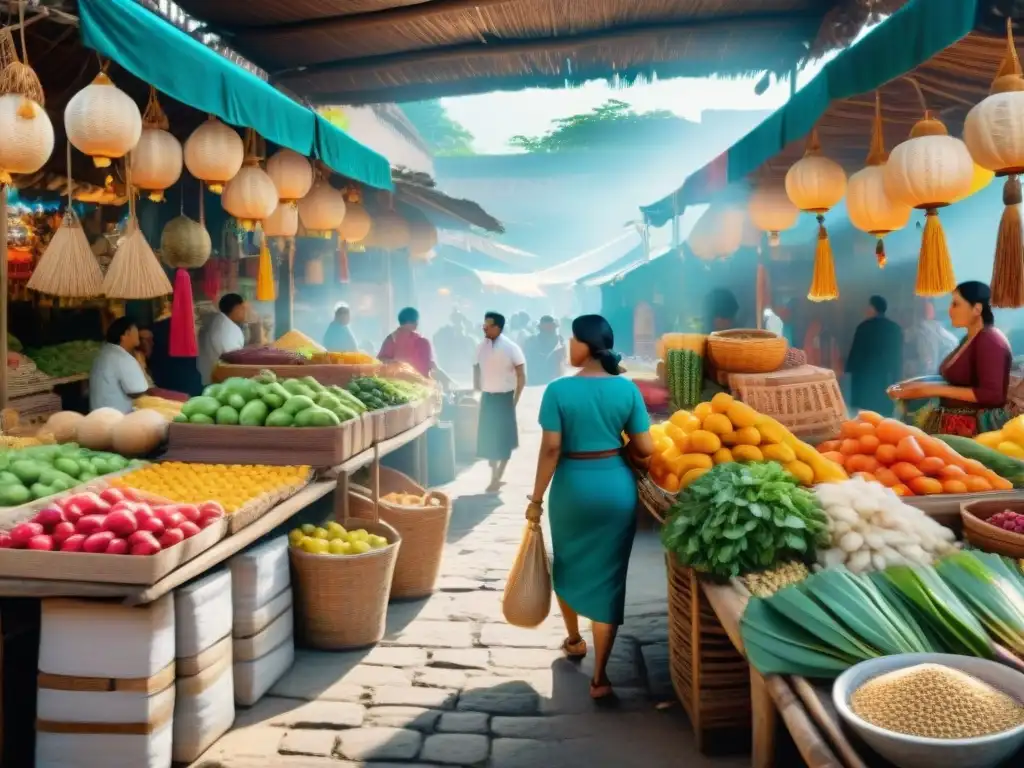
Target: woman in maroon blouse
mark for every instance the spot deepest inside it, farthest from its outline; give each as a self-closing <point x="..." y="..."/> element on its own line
<point x="970" y="397"/>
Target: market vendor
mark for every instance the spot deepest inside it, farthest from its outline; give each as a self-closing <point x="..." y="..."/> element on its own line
<point x="116" y="377"/>
<point x="406" y="345"/>
<point x="970" y="395"/>
<point x="221" y="333"/>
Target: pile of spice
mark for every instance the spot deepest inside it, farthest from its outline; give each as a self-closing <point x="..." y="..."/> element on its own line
<point x="766" y="583"/>
<point x="934" y="701"/>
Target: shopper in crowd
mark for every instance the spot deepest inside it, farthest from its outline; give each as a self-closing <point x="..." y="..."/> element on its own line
<point x="221" y="333"/>
<point x="970" y="395"/>
<point x="406" y="345"/>
<point x="500" y="374"/>
<point x="593" y="490"/>
<point x="876" y="359"/>
<point x="339" y="336"/>
<point x="116" y="378"/>
<point x="545" y="352"/>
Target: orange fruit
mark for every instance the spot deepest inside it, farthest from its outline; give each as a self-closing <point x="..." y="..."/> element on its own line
<point x="932" y="466"/>
<point x="870" y="417"/>
<point x="954" y="486"/>
<point x="886" y="454"/>
<point x="902" y="490"/>
<point x="849" y="447"/>
<point x="925" y="486"/>
<point x="976" y="484"/>
<point x="906" y="472"/>
<point x="952" y="472"/>
<point x="869" y="444"/>
<point x="886" y="477"/>
<point x="829" y="445"/>
<point x="835" y="456"/>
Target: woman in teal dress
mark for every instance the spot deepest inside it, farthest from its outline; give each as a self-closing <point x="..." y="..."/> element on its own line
<point x="593" y="489"/>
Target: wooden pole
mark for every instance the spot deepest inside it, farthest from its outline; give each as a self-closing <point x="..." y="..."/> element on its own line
<point x="3" y="297"/>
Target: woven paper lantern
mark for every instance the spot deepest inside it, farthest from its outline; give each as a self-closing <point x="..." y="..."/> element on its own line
<point x="772" y="211"/>
<point x="157" y="158"/>
<point x="185" y="243"/>
<point x="214" y="153"/>
<point x="869" y="207"/>
<point x="357" y="223"/>
<point x="814" y="184"/>
<point x="928" y="171"/>
<point x="982" y="178"/>
<point x="323" y="209"/>
<point x="994" y="134"/>
<point x="389" y="232"/>
<point x="250" y="196"/>
<point x="102" y="121"/>
<point x="283" y="222"/>
<point x="422" y="237"/>
<point x="291" y="173"/>
<point x="26" y="136"/>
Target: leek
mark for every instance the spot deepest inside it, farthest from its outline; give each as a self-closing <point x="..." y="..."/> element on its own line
<point x="776" y="646"/>
<point x="803" y="611"/>
<point x="987" y="586"/>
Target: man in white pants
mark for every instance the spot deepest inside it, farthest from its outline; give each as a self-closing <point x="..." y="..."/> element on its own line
<point x="500" y="375"/>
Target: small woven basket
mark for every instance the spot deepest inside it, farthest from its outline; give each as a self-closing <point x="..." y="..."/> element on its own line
<point x="341" y="601"/>
<point x="747" y="350"/>
<point x="991" y="538"/>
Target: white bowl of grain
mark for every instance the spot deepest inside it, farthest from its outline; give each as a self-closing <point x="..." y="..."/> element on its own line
<point x="897" y="691"/>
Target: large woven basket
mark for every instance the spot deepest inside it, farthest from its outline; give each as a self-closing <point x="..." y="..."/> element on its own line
<point x="424" y="530"/>
<point x="341" y="601"/>
<point x="655" y="499"/>
<point x="710" y="677"/>
<point x="747" y="350"/>
<point x="806" y="400"/>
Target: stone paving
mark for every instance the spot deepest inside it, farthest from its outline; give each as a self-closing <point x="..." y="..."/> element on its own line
<point x="453" y="685"/>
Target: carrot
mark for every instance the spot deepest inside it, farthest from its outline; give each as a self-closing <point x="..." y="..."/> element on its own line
<point x="910" y="451"/>
<point x="906" y="471"/>
<point x="869" y="444"/>
<point x="886" y="454"/>
<point x="870" y="417"/>
<point x="932" y="465"/>
<point x="977" y="484"/>
<point x="954" y="486"/>
<point x="860" y="463"/>
<point x="926" y="486"/>
<point x="835" y="456"/>
<point x="829" y="445"/>
<point x="902" y="490"/>
<point x="849" y="447"/>
<point x="886" y="477"/>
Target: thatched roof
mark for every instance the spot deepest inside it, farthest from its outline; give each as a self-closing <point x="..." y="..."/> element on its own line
<point x="367" y="51"/>
<point x="420" y="191"/>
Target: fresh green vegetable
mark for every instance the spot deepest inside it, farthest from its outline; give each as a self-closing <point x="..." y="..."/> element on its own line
<point x="205" y="406"/>
<point x="776" y="646"/>
<point x="991" y="591"/>
<point x="685" y="377"/>
<point x="376" y="393"/>
<point x="253" y="414"/>
<point x="226" y="414"/>
<point x="740" y="517"/>
<point x="71" y="358"/>
<point x="297" y="403"/>
<point x="200" y="418"/>
<point x="279" y="418"/>
<point x="316" y="416"/>
<point x="42" y="470"/>
<point x="1004" y="466"/>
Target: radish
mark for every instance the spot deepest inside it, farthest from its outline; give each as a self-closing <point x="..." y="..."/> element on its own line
<point x="42" y="542"/>
<point x="87" y="503"/>
<point x="112" y="495"/>
<point x="62" y="532"/>
<point x="171" y="537"/>
<point x="121" y="521"/>
<point x="209" y="507"/>
<point x="5" y="541"/>
<point x="207" y="519"/>
<point x="117" y="547"/>
<point x="152" y="524"/>
<point x="98" y="542"/>
<point x="49" y="516"/>
<point x="144" y="543"/>
<point x="89" y="524"/>
<point x="73" y="513"/>
<point x="73" y="543"/>
<point x="131" y="494"/>
<point x="190" y="512"/>
<point x="22" y="532"/>
<point x="188" y="528"/>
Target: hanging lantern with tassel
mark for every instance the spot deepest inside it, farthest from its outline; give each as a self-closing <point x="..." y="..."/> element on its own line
<point x="250" y="196"/>
<point x="772" y="211"/>
<point x="68" y="267"/>
<point x="185" y="244"/>
<point x="157" y="158"/>
<point x="214" y="154"/>
<point x="292" y="175"/>
<point x="718" y="233"/>
<point x="928" y="171"/>
<point x="815" y="184"/>
<point x="26" y="136"/>
<point x="982" y="178"/>
<point x="353" y="230"/>
<point x="283" y="222"/>
<point x="265" y="288"/>
<point x="867" y="204"/>
<point x="322" y="210"/>
<point x="102" y="121"/>
<point x="994" y="134"/>
<point x="134" y="272"/>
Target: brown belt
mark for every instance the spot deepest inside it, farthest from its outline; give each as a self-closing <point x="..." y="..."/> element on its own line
<point x="591" y="455"/>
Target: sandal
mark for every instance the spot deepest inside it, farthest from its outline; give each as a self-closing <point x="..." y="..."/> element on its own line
<point x="574" y="651"/>
<point x="603" y="694"/>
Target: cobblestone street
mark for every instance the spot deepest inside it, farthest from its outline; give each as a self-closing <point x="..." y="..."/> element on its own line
<point x="453" y="685"/>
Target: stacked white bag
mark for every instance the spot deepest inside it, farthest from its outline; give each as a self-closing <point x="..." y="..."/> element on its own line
<point x="264" y="642"/>
<point x="106" y="685"/>
<point x="205" y="704"/>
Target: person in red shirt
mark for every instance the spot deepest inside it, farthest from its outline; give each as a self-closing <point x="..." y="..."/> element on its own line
<point x="405" y="345"/>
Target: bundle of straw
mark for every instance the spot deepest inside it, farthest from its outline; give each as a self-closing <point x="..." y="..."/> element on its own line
<point x="823" y="282"/>
<point x="17" y="76"/>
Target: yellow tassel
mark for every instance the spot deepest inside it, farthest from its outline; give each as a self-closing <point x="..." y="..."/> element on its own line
<point x="265" y="290"/>
<point x="823" y="283"/>
<point x="1008" y="267"/>
<point x="934" y="268"/>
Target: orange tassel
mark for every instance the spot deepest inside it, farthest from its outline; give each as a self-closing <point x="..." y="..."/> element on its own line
<point x="880" y="256"/>
<point x="1008" y="267"/>
<point x="265" y="289"/>
<point x="823" y="283"/>
<point x="934" y="267"/>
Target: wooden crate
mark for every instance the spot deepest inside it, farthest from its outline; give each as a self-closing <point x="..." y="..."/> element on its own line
<point x="806" y="400"/>
<point x="710" y="677"/>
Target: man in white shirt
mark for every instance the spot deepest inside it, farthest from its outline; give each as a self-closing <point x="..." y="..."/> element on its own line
<point x="500" y="375"/>
<point x="221" y="333"/>
<point x="116" y="378"/>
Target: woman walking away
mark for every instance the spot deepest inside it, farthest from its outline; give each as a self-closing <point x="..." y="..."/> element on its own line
<point x="593" y="490"/>
<point x="970" y="394"/>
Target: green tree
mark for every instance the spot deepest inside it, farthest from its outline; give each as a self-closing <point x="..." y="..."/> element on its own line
<point x="444" y="136"/>
<point x="612" y="123"/>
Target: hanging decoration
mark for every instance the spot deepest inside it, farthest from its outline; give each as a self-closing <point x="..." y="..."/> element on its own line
<point x="772" y="211"/>
<point x="982" y="178"/>
<point x="135" y="272"/>
<point x="265" y="288"/>
<point x="869" y="207"/>
<point x="17" y="76"/>
<point x="353" y="230"/>
<point x="250" y="196"/>
<point x="102" y="121"/>
<point x="283" y="222"/>
<point x="994" y="134"/>
<point x="292" y="175"/>
<point x="422" y="236"/>
<point x="928" y="171"/>
<point x="67" y="267"/>
<point x="26" y="133"/>
<point x="389" y="231"/>
<point x="214" y="154"/>
<point x="185" y="243"/>
<point x="323" y="209"/>
<point x="157" y="158"/>
<point x="718" y="233"/>
<point x="815" y="184"/>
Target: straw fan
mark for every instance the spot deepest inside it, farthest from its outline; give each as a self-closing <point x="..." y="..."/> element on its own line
<point x="184" y="244"/>
<point x="17" y="76"/>
<point x="994" y="134"/>
<point x="870" y="209"/>
<point x="68" y="267"/>
<point x="815" y="184"/>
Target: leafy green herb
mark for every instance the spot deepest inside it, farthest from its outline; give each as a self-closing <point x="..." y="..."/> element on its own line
<point x="738" y="518"/>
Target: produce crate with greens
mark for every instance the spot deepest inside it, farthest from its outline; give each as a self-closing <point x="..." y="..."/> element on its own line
<point x="377" y="393"/>
<point x="39" y="471"/>
<point x="738" y="518"/>
<point x="71" y="358"/>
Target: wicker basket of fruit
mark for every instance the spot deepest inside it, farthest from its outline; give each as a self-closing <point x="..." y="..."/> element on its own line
<point x="995" y="526"/>
<point x="341" y="580"/>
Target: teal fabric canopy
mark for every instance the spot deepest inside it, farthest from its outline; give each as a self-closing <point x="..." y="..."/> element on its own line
<point x="164" y="56"/>
<point x="900" y="44"/>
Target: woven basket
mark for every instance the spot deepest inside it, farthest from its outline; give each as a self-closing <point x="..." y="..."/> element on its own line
<point x="806" y="400"/>
<point x="424" y="531"/>
<point x="991" y="538"/>
<point x="710" y="677"/>
<point x="341" y="601"/>
<point x="655" y="499"/>
<point x="747" y="351"/>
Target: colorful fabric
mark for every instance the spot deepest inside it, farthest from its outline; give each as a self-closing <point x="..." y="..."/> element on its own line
<point x="936" y="419"/>
<point x="982" y="364"/>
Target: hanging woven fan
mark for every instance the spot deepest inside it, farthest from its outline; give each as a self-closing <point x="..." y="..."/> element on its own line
<point x="17" y="76"/>
<point x="68" y="267"/>
<point x="135" y="272"/>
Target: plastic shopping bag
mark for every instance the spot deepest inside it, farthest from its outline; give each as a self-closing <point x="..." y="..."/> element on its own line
<point x="527" y="599"/>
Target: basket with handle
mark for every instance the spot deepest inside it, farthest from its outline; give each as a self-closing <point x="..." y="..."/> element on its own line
<point x="747" y="350"/>
<point x="341" y="601"/>
<point x="423" y="528"/>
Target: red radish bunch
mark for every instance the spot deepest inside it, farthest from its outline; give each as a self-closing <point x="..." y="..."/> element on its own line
<point x="1008" y="520"/>
<point x="114" y="522"/>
